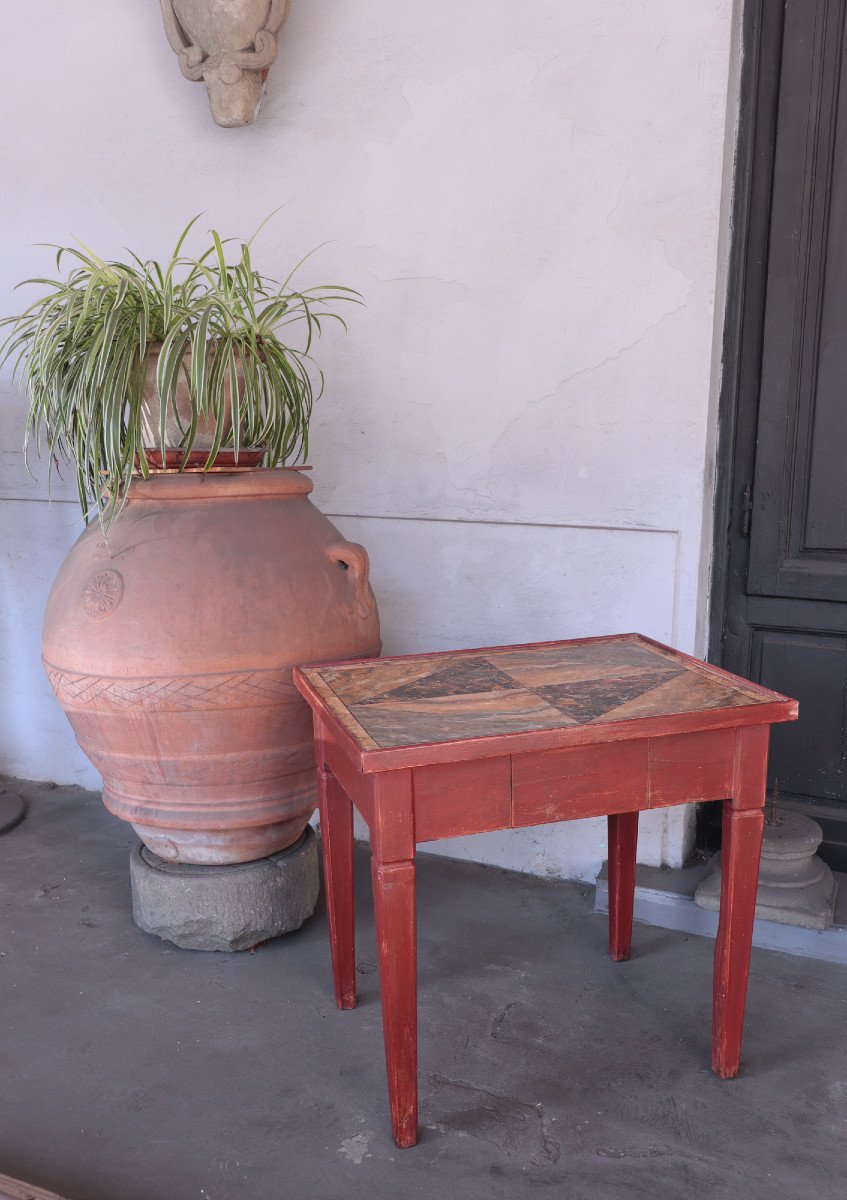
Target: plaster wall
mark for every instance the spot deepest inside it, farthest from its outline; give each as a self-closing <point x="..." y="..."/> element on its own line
<point x="520" y="424"/>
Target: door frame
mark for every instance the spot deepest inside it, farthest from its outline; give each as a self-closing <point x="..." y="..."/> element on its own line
<point x="738" y="403"/>
<point x="738" y="399"/>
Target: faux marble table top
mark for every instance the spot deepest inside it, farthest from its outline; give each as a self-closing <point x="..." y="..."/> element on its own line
<point x="424" y="699"/>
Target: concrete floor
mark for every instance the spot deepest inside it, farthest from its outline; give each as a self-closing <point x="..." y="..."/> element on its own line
<point x="135" y="1071"/>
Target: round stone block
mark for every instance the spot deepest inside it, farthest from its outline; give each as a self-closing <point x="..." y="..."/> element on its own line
<point x="229" y="907"/>
<point x="795" y="886"/>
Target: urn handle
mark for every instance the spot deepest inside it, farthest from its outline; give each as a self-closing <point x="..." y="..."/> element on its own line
<point x="354" y="558"/>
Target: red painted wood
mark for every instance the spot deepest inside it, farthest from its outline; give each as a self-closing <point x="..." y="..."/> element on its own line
<point x="750" y="767"/>
<point x="338" y="737"/>
<point x="623" y="842"/>
<point x="583" y="781"/>
<point x="419" y="792"/>
<point x="575" y="735"/>
<point x="460" y="798"/>
<point x="393" y="816"/>
<point x="358" y="787"/>
<point x="394" y="910"/>
<point x="691" y="766"/>
<point x="337" y="848"/>
<point x="743" y="821"/>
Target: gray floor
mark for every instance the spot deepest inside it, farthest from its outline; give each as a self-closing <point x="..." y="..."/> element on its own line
<point x="135" y="1071"/>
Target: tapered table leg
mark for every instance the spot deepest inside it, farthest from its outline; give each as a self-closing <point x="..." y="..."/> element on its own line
<point x="623" y="842"/>
<point x="337" y="845"/>
<point x="743" y="820"/>
<point x="394" y="909"/>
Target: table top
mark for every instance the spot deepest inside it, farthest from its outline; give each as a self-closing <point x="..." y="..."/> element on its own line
<point x="592" y="689"/>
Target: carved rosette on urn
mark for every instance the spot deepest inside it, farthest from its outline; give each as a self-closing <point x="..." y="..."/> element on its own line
<point x="170" y="646"/>
<point x="229" y="45"/>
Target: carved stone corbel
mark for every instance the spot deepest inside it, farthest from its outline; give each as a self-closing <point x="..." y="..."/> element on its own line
<point x="229" y="44"/>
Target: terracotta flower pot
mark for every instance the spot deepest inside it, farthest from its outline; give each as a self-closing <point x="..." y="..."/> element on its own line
<point x="179" y="416"/>
<point x="170" y="647"/>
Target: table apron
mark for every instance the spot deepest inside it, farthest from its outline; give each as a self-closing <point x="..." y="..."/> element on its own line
<point x="357" y="786"/>
<point x="513" y="791"/>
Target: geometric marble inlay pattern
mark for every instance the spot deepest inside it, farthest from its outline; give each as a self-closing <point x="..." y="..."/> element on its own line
<point x="445" y="697"/>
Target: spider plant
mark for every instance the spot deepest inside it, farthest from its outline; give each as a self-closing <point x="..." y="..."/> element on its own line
<point x="220" y="333"/>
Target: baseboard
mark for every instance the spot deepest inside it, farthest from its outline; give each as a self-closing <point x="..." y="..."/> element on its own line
<point x="664" y="897"/>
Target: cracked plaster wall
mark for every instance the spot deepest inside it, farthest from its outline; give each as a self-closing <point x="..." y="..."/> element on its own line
<point x="520" y="425"/>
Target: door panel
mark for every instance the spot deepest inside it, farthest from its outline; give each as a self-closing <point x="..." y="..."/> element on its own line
<point x="798" y="530"/>
<point x="781" y="598"/>
<point x="807" y="760"/>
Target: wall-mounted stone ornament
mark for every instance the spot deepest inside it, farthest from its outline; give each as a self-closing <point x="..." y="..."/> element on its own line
<point x="229" y="45"/>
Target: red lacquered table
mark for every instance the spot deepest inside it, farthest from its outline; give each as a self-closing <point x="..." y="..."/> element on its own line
<point x="438" y="745"/>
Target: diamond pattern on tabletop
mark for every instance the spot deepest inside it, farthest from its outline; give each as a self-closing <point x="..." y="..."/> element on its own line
<point x="462" y="677"/>
<point x="374" y="678"/>
<point x="395" y="722"/>
<point x="588" y="700"/>
<point x="685" y="692"/>
<point x="452" y="696"/>
<point x="545" y="666"/>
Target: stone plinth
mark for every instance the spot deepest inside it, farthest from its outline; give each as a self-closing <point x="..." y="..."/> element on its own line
<point x="229" y="907"/>
<point x="795" y="886"/>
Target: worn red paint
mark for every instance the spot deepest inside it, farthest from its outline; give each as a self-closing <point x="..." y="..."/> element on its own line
<point x="623" y="840"/>
<point x="618" y="766"/>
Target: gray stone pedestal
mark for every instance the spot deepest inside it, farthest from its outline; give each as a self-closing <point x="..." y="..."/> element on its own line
<point x="225" y="907"/>
<point x="795" y="886"/>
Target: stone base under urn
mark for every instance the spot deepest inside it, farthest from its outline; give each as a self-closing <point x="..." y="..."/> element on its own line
<point x="170" y="643"/>
<point x="231" y="907"/>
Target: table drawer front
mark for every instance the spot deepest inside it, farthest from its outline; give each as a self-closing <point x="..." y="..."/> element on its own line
<point x="587" y="781"/>
<point x="452" y="799"/>
<point x="691" y="766"/>
<point x="582" y="781"/>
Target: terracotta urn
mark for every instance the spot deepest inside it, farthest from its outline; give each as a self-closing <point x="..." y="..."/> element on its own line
<point x="170" y="645"/>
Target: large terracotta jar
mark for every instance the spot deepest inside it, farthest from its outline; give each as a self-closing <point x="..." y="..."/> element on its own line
<point x="170" y="645"/>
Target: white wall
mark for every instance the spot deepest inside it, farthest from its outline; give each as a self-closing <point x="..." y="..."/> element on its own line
<point x="519" y="426"/>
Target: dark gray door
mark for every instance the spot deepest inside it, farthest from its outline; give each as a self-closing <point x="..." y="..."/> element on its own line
<point x="781" y="552"/>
